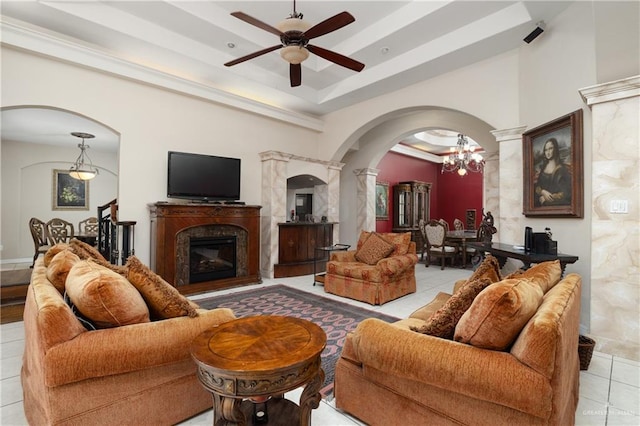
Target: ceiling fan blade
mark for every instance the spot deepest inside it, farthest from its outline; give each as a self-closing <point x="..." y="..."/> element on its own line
<point x="295" y="74"/>
<point x="256" y="22"/>
<point x="328" y="25"/>
<point x="253" y="55"/>
<point x="336" y="58"/>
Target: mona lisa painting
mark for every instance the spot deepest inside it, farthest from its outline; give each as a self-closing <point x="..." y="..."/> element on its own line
<point x="553" y="177"/>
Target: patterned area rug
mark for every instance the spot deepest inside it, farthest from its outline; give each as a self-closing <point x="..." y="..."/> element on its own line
<point x="335" y="318"/>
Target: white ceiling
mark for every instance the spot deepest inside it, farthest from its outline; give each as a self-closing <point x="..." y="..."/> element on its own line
<point x="400" y="42"/>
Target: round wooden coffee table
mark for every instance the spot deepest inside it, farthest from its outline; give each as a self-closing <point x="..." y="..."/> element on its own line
<point x="249" y="363"/>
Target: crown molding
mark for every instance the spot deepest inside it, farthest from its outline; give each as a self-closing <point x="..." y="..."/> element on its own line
<point x="504" y="135"/>
<point x="416" y="153"/>
<point x="22" y="36"/>
<point x="612" y="91"/>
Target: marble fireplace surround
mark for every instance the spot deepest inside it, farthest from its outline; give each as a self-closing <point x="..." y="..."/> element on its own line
<point x="183" y="242"/>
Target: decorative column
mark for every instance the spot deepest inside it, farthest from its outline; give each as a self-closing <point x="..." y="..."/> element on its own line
<point x="275" y="166"/>
<point x="491" y="185"/>
<point x="509" y="219"/>
<point x="274" y="204"/>
<point x="615" y="216"/>
<point x="333" y="198"/>
<point x="366" y="202"/>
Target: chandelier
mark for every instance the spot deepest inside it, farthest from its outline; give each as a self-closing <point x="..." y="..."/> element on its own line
<point x="82" y="169"/>
<point x="462" y="158"/>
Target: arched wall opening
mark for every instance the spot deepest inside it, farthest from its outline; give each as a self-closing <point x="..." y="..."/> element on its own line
<point x="366" y="146"/>
<point x="36" y="142"/>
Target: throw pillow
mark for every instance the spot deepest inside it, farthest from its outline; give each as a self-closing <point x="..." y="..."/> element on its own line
<point x="443" y="321"/>
<point x="489" y="268"/>
<point x="545" y="274"/>
<point x="164" y="300"/>
<point x="59" y="267"/>
<point x="53" y="251"/>
<point x="498" y="314"/>
<point x="374" y="249"/>
<point x="363" y="237"/>
<point x="104" y="297"/>
<point x="400" y="242"/>
<point x="87" y="252"/>
<point x="515" y="274"/>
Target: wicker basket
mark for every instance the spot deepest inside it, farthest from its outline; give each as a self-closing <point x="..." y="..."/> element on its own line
<point x="585" y="351"/>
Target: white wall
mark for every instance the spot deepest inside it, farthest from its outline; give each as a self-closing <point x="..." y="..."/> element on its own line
<point x="487" y="90"/>
<point x="552" y="70"/>
<point x="151" y="122"/>
<point x="27" y="185"/>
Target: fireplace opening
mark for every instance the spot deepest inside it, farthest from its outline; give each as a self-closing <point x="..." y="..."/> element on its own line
<point x="212" y="258"/>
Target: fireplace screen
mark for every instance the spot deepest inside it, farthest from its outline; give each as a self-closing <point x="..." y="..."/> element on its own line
<point x="212" y="258"/>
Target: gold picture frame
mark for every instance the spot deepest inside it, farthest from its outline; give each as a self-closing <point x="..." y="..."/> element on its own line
<point x="382" y="201"/>
<point x="68" y="193"/>
<point x="553" y="181"/>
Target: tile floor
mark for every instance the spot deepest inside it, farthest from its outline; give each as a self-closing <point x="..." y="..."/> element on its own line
<point x="609" y="390"/>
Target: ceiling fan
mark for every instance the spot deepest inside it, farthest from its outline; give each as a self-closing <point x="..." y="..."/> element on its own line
<point x="295" y="34"/>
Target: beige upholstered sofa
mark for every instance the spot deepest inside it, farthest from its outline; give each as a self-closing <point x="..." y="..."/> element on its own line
<point x="382" y="268"/>
<point x="390" y="374"/>
<point x="139" y="373"/>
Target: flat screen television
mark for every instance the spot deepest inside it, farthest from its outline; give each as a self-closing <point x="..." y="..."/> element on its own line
<point x="203" y="177"/>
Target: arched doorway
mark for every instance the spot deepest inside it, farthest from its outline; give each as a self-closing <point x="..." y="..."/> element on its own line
<point x="36" y="141"/>
<point x="362" y="152"/>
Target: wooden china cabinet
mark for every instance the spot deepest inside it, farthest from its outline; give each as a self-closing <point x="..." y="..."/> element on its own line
<point x="410" y="205"/>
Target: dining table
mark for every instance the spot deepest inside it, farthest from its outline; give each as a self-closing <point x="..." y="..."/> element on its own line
<point x="459" y="238"/>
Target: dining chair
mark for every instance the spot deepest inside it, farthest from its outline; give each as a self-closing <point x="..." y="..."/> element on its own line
<point x="436" y="234"/>
<point x="59" y="231"/>
<point x="423" y="249"/>
<point x="88" y="226"/>
<point x="458" y="225"/>
<point x="39" y="234"/>
<point x="445" y="224"/>
<point x="472" y="255"/>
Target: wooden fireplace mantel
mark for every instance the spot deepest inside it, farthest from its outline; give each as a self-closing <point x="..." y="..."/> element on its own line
<point x="173" y="223"/>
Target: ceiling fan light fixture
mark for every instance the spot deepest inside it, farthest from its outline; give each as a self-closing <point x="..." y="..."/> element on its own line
<point x="295" y="34"/>
<point x="293" y="24"/>
<point x="294" y="54"/>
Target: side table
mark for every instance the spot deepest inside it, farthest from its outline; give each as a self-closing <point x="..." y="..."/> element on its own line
<point x="249" y="363"/>
<point x="325" y="252"/>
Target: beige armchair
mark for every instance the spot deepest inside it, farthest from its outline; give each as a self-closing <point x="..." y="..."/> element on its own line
<point x="374" y="279"/>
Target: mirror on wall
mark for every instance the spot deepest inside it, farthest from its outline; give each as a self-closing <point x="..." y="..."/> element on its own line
<point x="307" y="198"/>
<point x="37" y="151"/>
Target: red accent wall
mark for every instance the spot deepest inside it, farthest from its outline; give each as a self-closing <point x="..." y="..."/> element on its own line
<point x="451" y="195"/>
<point x="457" y="194"/>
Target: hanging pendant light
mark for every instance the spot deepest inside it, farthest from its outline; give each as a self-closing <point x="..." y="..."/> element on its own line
<point x="83" y="168"/>
<point x="463" y="159"/>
